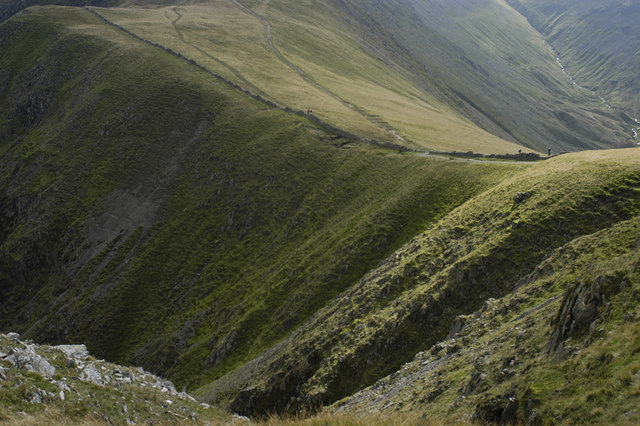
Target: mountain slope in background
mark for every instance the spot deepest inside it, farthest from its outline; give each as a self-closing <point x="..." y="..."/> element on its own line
<point x="407" y="71"/>
<point x="597" y="41"/>
<point x="499" y="68"/>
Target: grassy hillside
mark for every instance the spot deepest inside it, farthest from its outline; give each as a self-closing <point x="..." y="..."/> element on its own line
<point x="498" y="70"/>
<point x="562" y="346"/>
<point x="418" y="73"/>
<point x="168" y="220"/>
<point x="339" y="81"/>
<point x="8" y="8"/>
<point x="597" y="42"/>
<point x="572" y="230"/>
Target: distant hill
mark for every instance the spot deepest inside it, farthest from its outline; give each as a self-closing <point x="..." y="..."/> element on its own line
<point x="494" y="67"/>
<point x="412" y="72"/>
<point x="8" y="8"/>
<point x="598" y="42"/>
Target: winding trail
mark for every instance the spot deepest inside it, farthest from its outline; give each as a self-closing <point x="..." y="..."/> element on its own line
<point x="374" y="119"/>
<point x="475" y="160"/>
<point x="179" y="33"/>
<point x="327" y="126"/>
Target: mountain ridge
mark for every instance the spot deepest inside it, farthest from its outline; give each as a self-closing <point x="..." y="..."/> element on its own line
<point x="156" y="207"/>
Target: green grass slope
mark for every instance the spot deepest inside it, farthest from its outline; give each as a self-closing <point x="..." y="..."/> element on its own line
<point x="597" y="42"/>
<point x="414" y="72"/>
<point x="307" y="57"/>
<point x="8" y="8"/>
<point x="492" y="247"/>
<point x="563" y="347"/>
<point x="166" y="219"/>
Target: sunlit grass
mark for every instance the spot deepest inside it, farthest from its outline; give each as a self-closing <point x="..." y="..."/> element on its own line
<point x="376" y="101"/>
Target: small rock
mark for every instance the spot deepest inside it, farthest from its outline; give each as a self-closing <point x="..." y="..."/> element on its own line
<point x="240" y="418"/>
<point x="185" y="395"/>
<point x="452" y="349"/>
<point x="521" y="196"/>
<point x="91" y="374"/>
<point x="12" y="336"/>
<point x="74" y="352"/>
<point x="35" y="398"/>
<point x="456" y="327"/>
<point x="61" y="395"/>
<point x="29" y="360"/>
<point x="125" y="409"/>
<point x="3" y="374"/>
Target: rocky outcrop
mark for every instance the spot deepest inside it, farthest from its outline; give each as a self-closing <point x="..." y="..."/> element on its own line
<point x="72" y="376"/>
<point x="579" y="309"/>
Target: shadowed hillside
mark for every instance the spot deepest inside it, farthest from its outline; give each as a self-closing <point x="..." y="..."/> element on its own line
<point x="139" y="190"/>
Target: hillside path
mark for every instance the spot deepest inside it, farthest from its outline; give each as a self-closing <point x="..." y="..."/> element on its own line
<point x="374" y="119"/>
<point x="180" y="34"/>
<point x="474" y="160"/>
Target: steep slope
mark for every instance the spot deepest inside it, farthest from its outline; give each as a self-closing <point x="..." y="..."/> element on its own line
<point x="488" y="248"/>
<point x="496" y="67"/>
<point x="597" y="42"/>
<point x="342" y="84"/>
<point x="563" y="346"/>
<point x="8" y="8"/>
<point x="415" y="72"/>
<point x="166" y="219"/>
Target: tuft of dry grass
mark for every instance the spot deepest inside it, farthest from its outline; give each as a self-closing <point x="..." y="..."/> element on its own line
<point x="327" y="418"/>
